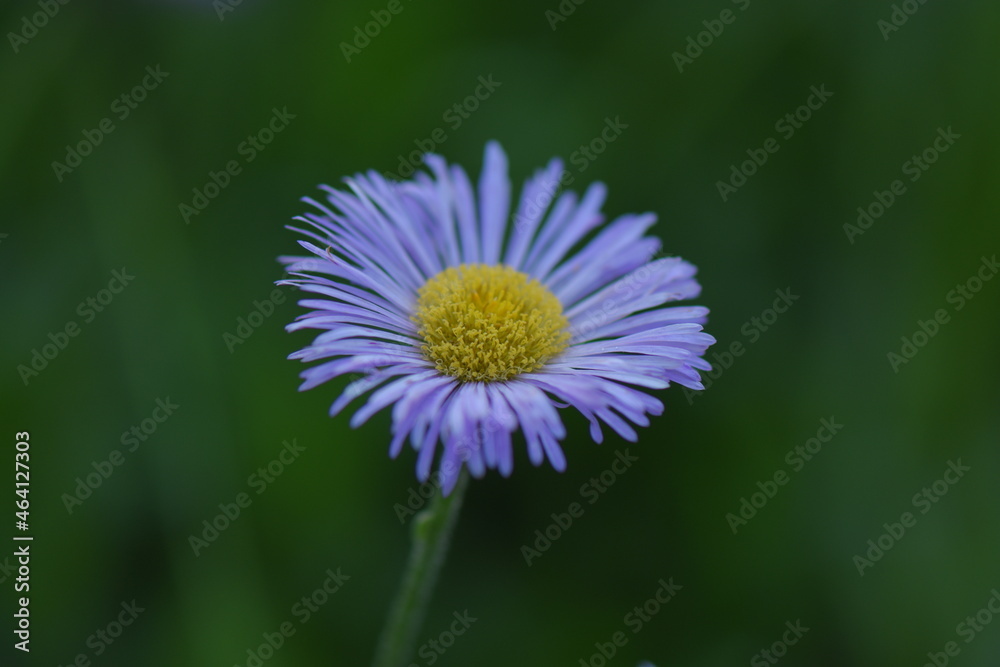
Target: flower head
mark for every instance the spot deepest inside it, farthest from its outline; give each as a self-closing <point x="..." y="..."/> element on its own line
<point x="473" y="327"/>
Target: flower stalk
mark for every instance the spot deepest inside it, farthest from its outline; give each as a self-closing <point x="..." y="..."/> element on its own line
<point x="432" y="529"/>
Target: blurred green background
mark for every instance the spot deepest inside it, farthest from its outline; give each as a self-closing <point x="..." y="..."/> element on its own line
<point x="162" y="337"/>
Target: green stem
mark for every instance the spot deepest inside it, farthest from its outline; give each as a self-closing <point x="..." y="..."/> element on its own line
<point x="432" y="529"/>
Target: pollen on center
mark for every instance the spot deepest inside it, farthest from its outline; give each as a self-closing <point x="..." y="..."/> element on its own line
<point x="482" y="323"/>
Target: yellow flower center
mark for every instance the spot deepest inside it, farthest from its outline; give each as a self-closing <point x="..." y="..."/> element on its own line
<point x="485" y="323"/>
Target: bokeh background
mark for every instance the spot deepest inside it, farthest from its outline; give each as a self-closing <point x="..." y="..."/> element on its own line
<point x="163" y="336"/>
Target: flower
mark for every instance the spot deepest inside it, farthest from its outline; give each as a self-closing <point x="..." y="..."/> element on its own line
<point x="472" y="328"/>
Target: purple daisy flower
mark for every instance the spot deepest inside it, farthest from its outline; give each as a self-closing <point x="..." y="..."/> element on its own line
<point x="473" y="326"/>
